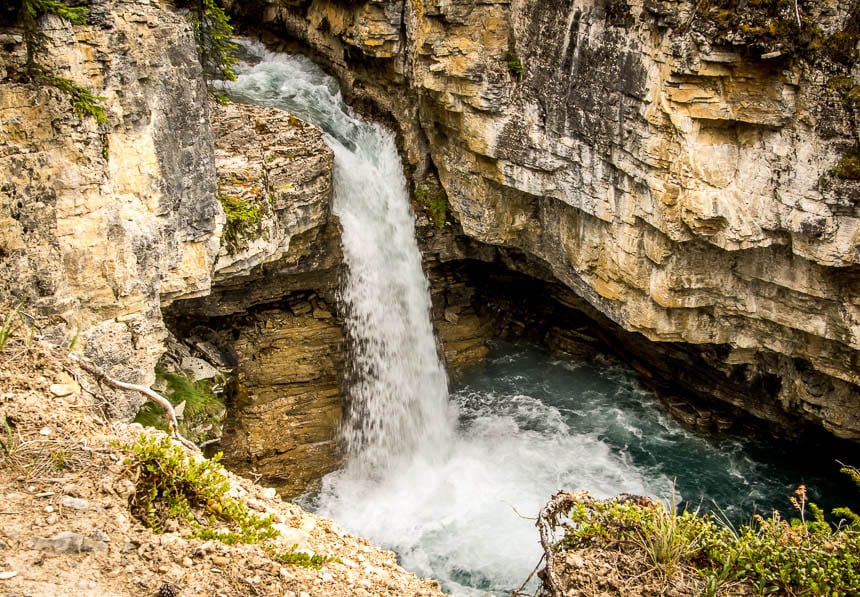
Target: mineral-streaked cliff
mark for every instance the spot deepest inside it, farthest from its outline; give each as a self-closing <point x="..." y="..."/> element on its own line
<point x="672" y="173"/>
<point x="101" y="225"/>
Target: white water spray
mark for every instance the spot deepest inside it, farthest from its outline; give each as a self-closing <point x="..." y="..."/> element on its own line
<point x="451" y="496"/>
<point x="397" y="388"/>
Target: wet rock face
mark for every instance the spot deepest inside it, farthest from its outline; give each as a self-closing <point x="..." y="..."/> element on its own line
<point x="679" y="184"/>
<point x="103" y="224"/>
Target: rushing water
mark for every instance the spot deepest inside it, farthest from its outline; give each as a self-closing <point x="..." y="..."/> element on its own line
<point x="398" y="390"/>
<point x="452" y="484"/>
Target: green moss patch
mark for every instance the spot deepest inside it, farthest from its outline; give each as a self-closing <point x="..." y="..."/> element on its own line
<point x="848" y="167"/>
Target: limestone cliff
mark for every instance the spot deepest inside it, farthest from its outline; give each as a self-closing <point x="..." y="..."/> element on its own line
<point x="101" y="225"/>
<point x="672" y="162"/>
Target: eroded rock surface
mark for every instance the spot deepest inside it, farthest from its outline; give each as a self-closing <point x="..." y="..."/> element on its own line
<point x="103" y="224"/>
<point x="284" y="421"/>
<point x="278" y="165"/>
<point x="674" y="174"/>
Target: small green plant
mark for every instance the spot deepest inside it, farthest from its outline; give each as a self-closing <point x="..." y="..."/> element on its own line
<point x="201" y="410"/>
<point x="840" y="83"/>
<point x="242" y="215"/>
<point x="668" y="537"/>
<point x="848" y="167"/>
<point x="842" y="46"/>
<point x="844" y="512"/>
<point x="12" y="321"/>
<point x="171" y="485"/>
<point x="435" y="204"/>
<point x="514" y="63"/>
<point x="852" y="98"/>
<point x="301" y="558"/>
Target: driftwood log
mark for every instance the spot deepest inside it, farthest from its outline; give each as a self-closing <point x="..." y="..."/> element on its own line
<point x="160" y="400"/>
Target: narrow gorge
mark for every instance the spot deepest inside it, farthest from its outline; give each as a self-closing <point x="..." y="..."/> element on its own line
<point x="638" y="223"/>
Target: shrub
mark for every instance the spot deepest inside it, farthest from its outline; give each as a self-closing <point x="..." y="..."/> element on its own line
<point x="301" y="558"/>
<point x="171" y="485"/>
<point x="802" y="556"/>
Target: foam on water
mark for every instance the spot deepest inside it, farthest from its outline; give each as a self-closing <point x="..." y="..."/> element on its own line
<point x="452" y="485"/>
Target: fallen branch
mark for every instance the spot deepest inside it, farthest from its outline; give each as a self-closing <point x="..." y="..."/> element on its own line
<point x="547" y="522"/>
<point x="148" y="392"/>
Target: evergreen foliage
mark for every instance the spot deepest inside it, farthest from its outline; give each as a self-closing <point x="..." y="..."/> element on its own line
<point x="214" y="35"/>
<point x="84" y="102"/>
<point x="201" y="410"/>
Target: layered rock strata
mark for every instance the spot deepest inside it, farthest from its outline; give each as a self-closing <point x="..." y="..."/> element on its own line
<point x="102" y="224"/>
<point x="279" y="255"/>
<point x="286" y="406"/>
<point x="672" y="169"/>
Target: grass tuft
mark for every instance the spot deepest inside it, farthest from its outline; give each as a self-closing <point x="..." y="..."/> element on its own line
<point x="770" y="555"/>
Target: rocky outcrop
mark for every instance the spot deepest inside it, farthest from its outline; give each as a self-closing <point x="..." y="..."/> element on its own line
<point x="286" y="410"/>
<point x="70" y="526"/>
<point x="276" y="168"/>
<point x="670" y="166"/>
<point x="279" y="256"/>
<point x="101" y="225"/>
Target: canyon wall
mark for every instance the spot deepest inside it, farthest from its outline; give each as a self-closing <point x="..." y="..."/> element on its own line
<point x="103" y="224"/>
<point x="680" y="166"/>
<point x="672" y="170"/>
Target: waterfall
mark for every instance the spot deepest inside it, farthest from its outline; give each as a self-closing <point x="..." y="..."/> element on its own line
<point x="397" y="392"/>
<point x="448" y="486"/>
<point x="451" y="487"/>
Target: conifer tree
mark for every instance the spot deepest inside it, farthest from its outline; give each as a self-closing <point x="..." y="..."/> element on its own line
<point x="35" y="40"/>
<point x="214" y="36"/>
<point x="35" y="43"/>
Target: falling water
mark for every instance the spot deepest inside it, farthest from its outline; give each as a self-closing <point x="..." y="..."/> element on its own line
<point x="397" y="395"/>
<point x="451" y="487"/>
